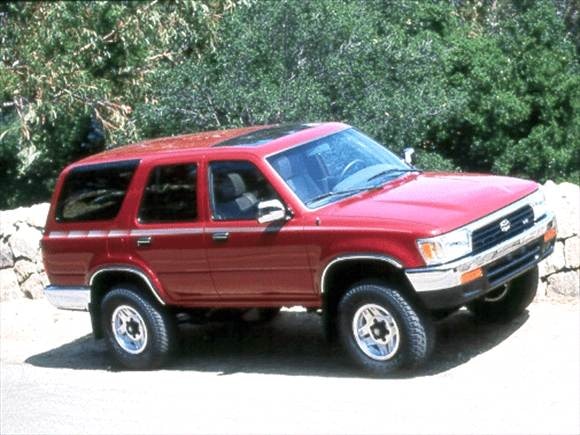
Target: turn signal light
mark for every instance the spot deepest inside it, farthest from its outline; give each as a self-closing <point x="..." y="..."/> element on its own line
<point x="471" y="275"/>
<point x="428" y="251"/>
<point x="550" y="234"/>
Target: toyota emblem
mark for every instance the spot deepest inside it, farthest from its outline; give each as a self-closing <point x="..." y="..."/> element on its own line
<point x="505" y="225"/>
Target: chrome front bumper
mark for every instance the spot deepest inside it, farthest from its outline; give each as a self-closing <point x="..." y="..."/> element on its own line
<point x="69" y="298"/>
<point x="448" y="275"/>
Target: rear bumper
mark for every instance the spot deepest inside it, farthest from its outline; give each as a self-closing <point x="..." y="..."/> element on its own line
<point x="69" y="297"/>
<point x="441" y="286"/>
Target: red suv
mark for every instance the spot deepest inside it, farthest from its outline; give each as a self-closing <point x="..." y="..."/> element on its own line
<point x="240" y="223"/>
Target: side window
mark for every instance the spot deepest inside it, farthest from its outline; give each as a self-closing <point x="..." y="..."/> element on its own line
<point x="236" y="188"/>
<point x="170" y="194"/>
<point x="94" y="192"/>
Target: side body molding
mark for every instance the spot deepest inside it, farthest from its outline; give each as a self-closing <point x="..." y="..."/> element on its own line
<point x="132" y="270"/>
<point x="354" y="257"/>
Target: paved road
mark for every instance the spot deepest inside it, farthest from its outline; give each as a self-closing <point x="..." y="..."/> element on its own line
<point x="523" y="377"/>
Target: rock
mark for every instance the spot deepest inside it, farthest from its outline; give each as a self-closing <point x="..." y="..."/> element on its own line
<point x="6" y="224"/>
<point x="554" y="262"/>
<point x="39" y="264"/>
<point x="6" y="257"/>
<point x="44" y="279"/>
<point x="564" y="200"/>
<point x="9" y="288"/>
<point x="25" y="242"/>
<point x="32" y="287"/>
<point x="563" y="284"/>
<point x="542" y="269"/>
<point x="23" y="269"/>
<point x="542" y="289"/>
<point x="572" y="252"/>
<point x="561" y="268"/>
<point x="36" y="215"/>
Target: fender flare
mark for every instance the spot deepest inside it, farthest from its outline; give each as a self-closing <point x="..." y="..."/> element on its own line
<point x="353" y="257"/>
<point x="129" y="269"/>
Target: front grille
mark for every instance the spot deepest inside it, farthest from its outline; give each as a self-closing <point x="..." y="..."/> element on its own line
<point x="496" y="232"/>
<point x="503" y="269"/>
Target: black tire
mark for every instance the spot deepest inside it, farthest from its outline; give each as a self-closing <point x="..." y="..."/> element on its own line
<point x="153" y="323"/>
<point x="414" y="330"/>
<point x="506" y="303"/>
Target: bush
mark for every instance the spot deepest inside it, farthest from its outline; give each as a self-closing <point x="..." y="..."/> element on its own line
<point x="477" y="85"/>
<point x="514" y="97"/>
<point x="484" y="93"/>
<point x="71" y="72"/>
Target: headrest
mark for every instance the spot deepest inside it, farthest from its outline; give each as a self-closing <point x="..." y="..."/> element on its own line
<point x="284" y="167"/>
<point x="316" y="166"/>
<point x="231" y="186"/>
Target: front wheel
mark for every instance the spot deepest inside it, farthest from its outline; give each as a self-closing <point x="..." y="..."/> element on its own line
<point x="139" y="334"/>
<point x="382" y="331"/>
<point x="508" y="301"/>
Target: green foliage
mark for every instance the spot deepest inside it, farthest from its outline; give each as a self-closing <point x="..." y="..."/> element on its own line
<point x="473" y="84"/>
<point x="358" y="66"/>
<point x="71" y="72"/>
<point x="469" y="88"/>
<point x="515" y="95"/>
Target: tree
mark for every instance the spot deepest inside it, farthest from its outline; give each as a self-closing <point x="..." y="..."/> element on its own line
<point x="514" y="92"/>
<point x="72" y="71"/>
<point x="486" y="89"/>
<point x="477" y="84"/>
<point x="295" y="61"/>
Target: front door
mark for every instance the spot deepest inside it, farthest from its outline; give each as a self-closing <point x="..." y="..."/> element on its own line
<point x="251" y="261"/>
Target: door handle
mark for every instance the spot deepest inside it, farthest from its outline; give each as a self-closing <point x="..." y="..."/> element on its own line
<point x="143" y="241"/>
<point x="220" y="237"/>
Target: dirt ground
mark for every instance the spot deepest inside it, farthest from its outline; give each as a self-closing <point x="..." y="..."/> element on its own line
<point x="522" y="377"/>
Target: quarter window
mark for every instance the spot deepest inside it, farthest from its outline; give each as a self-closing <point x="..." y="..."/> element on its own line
<point x="95" y="192"/>
<point x="170" y="195"/>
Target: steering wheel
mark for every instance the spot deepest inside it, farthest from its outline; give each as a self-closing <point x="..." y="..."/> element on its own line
<point x="352" y="167"/>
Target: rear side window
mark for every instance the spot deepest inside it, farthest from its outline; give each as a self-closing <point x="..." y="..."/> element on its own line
<point x="95" y="192"/>
<point x="170" y="195"/>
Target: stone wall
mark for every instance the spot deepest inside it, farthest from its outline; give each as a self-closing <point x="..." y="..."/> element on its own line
<point x="560" y="272"/>
<point x="21" y="270"/>
<point x="22" y="274"/>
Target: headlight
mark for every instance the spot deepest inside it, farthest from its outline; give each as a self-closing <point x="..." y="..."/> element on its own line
<point x="445" y="248"/>
<point x="538" y="203"/>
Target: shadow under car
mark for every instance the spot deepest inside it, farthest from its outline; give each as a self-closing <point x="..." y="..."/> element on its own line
<point x="292" y="344"/>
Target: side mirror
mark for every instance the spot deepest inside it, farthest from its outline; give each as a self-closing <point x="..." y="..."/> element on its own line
<point x="271" y="211"/>
<point x="408" y="155"/>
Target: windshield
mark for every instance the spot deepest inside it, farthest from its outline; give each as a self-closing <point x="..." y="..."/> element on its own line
<point x="336" y="166"/>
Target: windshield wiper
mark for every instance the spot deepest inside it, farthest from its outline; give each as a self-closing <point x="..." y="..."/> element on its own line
<point x="340" y="193"/>
<point x="392" y="171"/>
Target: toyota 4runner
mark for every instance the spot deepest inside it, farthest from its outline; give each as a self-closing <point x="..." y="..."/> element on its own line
<point x="239" y="223"/>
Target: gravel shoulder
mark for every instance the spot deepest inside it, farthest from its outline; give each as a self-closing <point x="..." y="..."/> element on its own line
<point x="522" y="377"/>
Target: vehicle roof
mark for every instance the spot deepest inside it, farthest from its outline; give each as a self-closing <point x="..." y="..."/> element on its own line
<point x="273" y="138"/>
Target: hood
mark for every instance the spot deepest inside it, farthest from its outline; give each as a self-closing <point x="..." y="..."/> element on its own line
<point x="434" y="203"/>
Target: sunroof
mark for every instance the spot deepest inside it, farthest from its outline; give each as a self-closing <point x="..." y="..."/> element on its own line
<point x="262" y="136"/>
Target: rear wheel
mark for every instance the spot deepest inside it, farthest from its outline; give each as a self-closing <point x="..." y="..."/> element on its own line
<point x="382" y="331"/>
<point x="140" y="335"/>
<point x="509" y="300"/>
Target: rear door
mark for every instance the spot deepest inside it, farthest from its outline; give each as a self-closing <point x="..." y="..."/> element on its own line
<point x="168" y="230"/>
